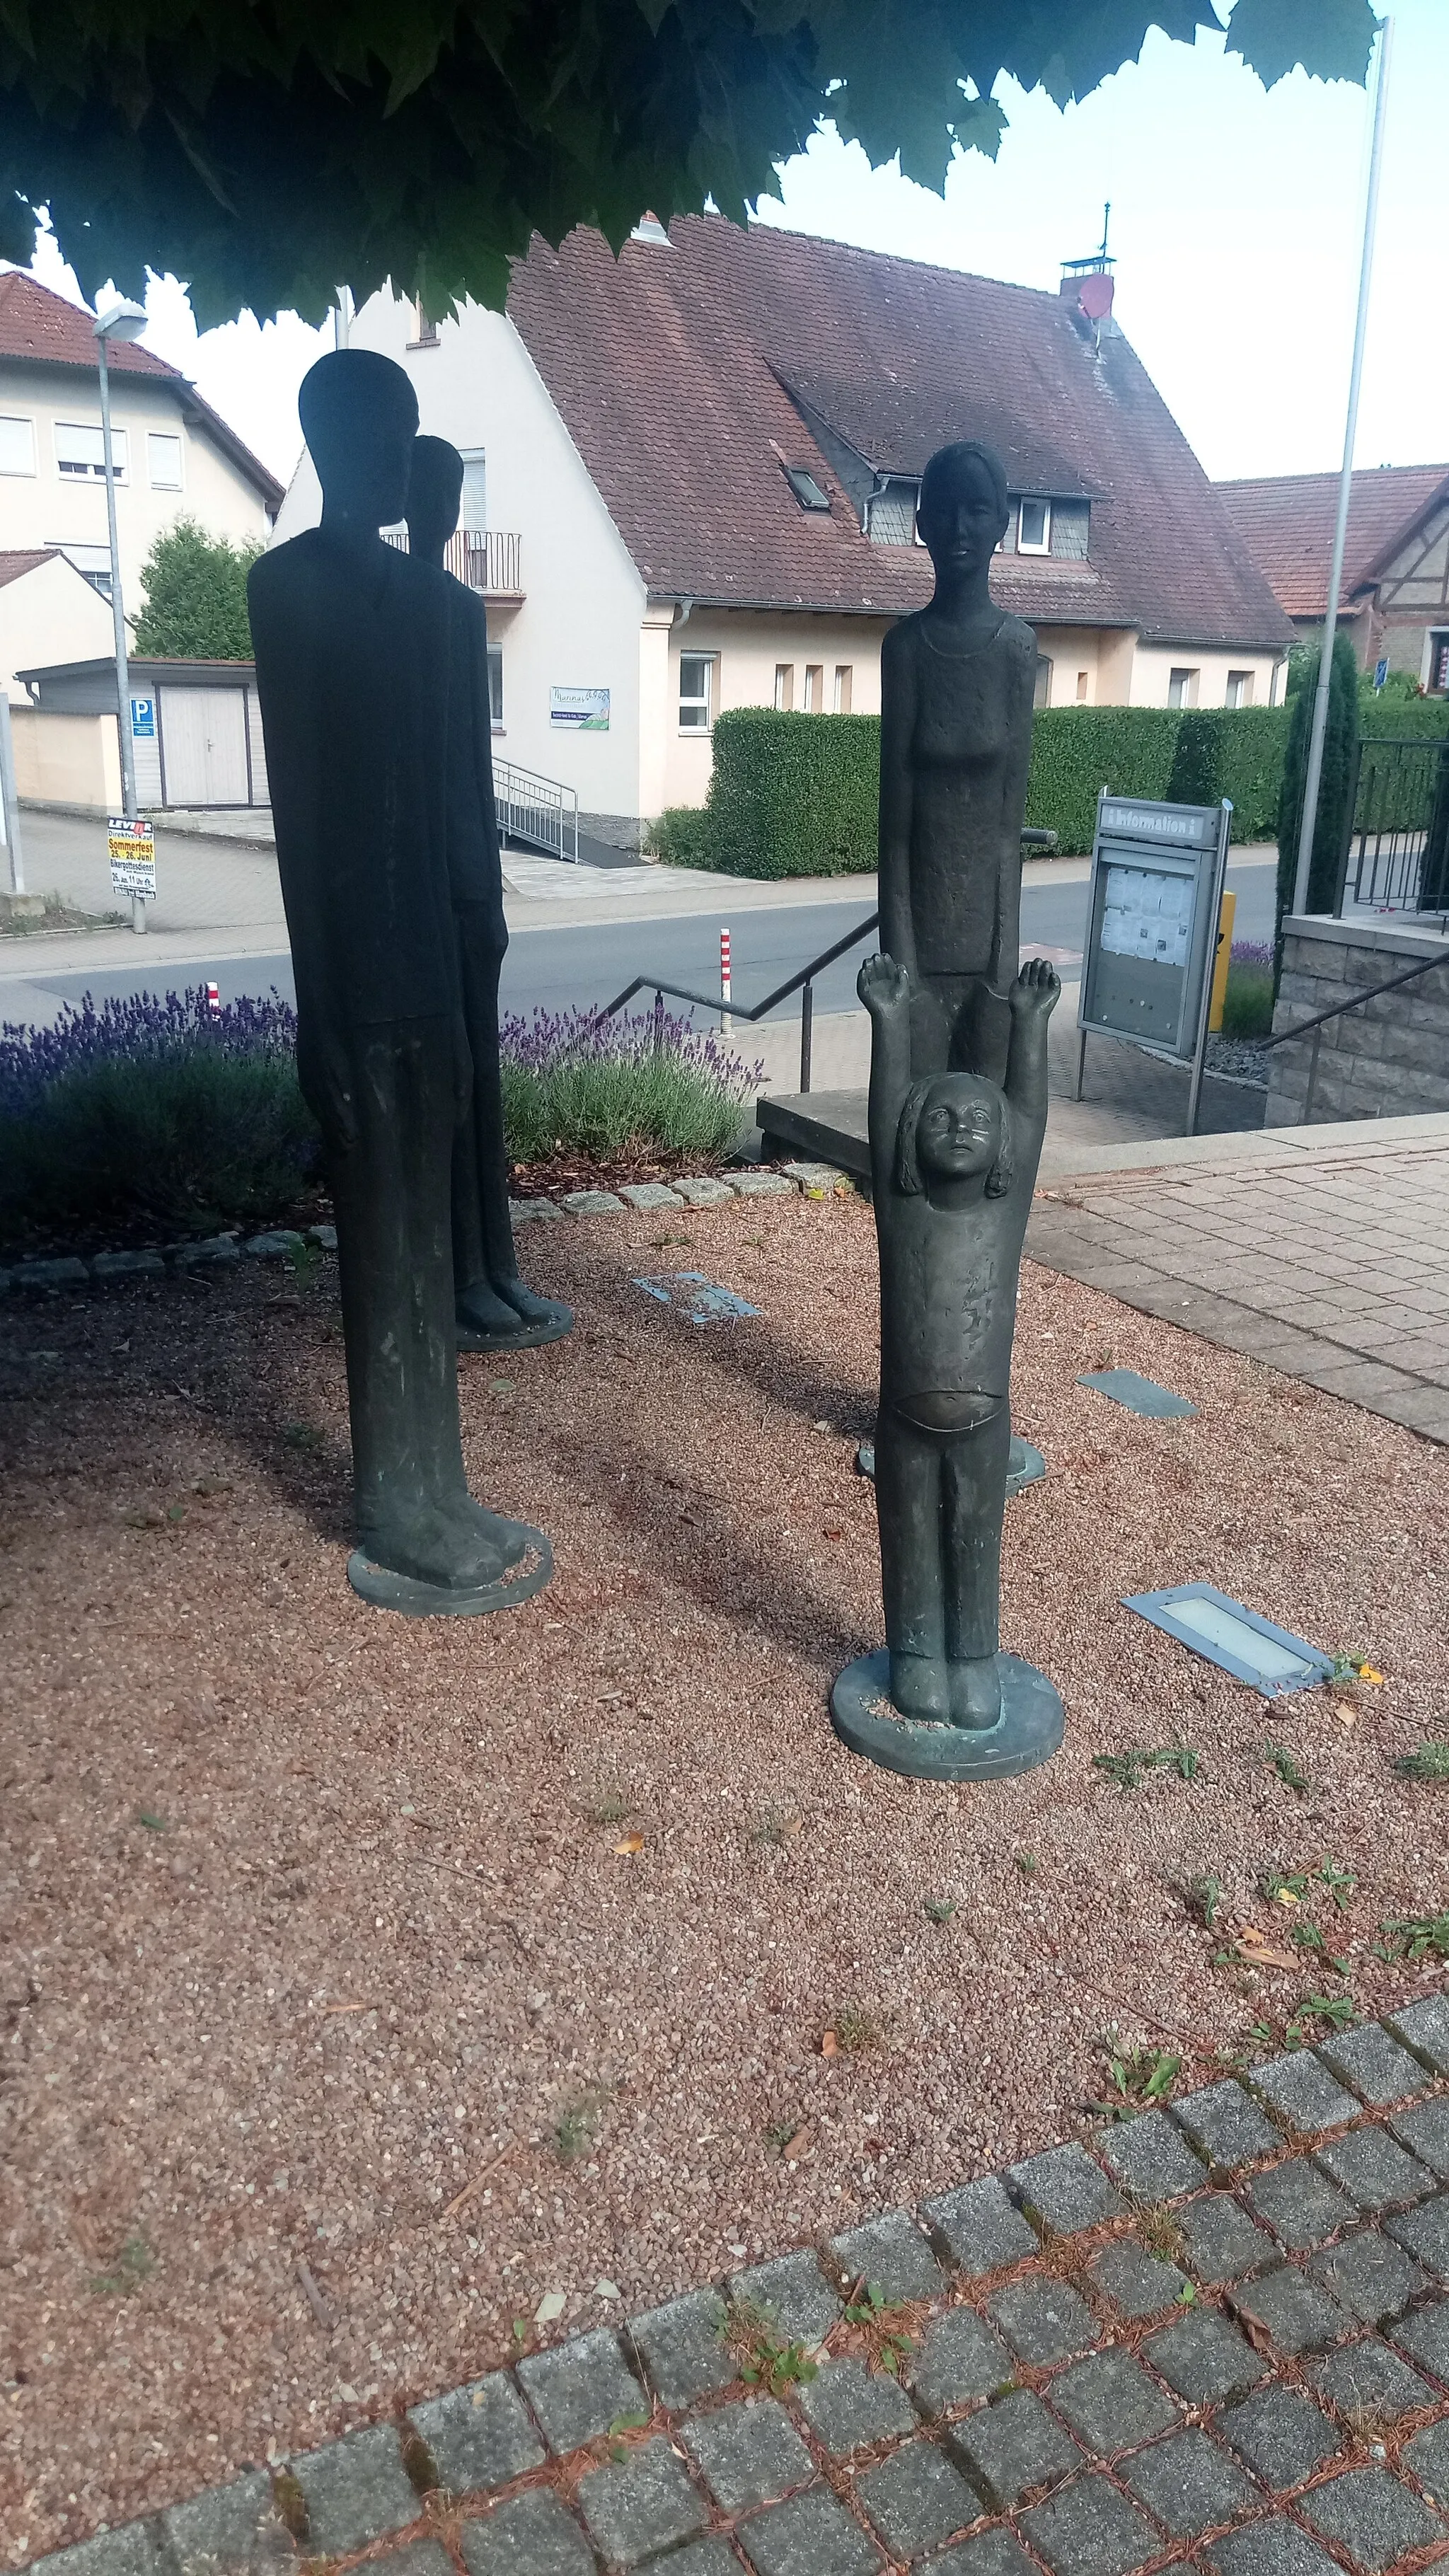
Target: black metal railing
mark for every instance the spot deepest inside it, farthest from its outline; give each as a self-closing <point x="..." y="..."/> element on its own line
<point x="802" y="982"/>
<point x="1393" y="857"/>
<point x="1336" y="1011"/>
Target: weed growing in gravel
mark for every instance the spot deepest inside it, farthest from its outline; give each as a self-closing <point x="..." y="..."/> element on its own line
<point x="856" y="2029"/>
<point x="748" y="2334"/>
<point x="1203" y="1896"/>
<point x="305" y="1261"/>
<point x="303" y="1436"/>
<point x="773" y="1828"/>
<point x="1140" y="2077"/>
<point x="1428" y="1762"/>
<point x="574" y="2131"/>
<point x="1337" y="2010"/>
<point x="609" y="1807"/>
<point x="782" y="2134"/>
<point x="1281" y="1761"/>
<point x="939" y="1909"/>
<point x="1027" y="1863"/>
<point x="1126" y="1769"/>
<point x="132" y="2266"/>
<point x="154" y="1824"/>
<point x="1415" y="1936"/>
<point x="1306" y="1936"/>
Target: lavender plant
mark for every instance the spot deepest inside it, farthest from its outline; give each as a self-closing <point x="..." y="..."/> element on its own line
<point x="151" y="1116"/>
<point x="575" y="1083"/>
<point x="1248" y="1000"/>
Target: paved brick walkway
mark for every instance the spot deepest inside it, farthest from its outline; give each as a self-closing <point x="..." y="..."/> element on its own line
<point x="1328" y="1260"/>
<point x="1219" y="2343"/>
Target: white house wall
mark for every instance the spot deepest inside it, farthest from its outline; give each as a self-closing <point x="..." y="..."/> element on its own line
<point x="1153" y="665"/>
<point x="47" y="508"/>
<point x="50" y="615"/>
<point x="580" y="621"/>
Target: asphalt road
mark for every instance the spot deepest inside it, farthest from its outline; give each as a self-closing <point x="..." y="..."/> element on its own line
<point x="585" y="965"/>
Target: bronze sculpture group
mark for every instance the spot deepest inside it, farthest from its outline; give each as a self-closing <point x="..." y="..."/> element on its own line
<point x="372" y="674"/>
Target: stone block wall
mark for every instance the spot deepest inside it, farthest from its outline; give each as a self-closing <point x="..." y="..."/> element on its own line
<point x="1388" y="1060"/>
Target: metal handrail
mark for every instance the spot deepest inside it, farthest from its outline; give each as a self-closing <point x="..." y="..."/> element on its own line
<point x="804" y="978"/>
<point x="537" y="809"/>
<point x="1336" y="1011"/>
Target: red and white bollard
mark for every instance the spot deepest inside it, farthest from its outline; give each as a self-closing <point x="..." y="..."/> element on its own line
<point x="725" y="1022"/>
<point x="213" y="1000"/>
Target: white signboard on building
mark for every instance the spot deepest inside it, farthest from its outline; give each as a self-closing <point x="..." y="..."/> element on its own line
<point x="579" y="710"/>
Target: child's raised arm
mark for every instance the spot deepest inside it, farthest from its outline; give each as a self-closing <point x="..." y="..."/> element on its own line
<point x="884" y="985"/>
<point x="1034" y="996"/>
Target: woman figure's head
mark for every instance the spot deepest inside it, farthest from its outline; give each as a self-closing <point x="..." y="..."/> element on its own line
<point x="963" y="510"/>
<point x="953" y="1127"/>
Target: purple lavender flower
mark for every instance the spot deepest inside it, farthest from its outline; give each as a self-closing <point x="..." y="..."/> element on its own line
<point x="137" y="1029"/>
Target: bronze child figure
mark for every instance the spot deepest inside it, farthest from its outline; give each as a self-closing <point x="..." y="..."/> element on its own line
<point x="953" y="1167"/>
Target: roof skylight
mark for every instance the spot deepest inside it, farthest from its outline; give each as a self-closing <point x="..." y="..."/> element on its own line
<point x="805" y="488"/>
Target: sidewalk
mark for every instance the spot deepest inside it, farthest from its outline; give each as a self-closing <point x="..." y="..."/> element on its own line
<point x="1321" y="1251"/>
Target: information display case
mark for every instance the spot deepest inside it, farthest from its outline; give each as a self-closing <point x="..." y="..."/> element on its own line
<point x="1152" y="925"/>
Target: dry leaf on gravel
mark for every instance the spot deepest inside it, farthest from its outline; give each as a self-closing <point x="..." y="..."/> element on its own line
<point x="631" y="1843"/>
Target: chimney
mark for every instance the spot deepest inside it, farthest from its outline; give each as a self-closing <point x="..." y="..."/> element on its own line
<point x="1087" y="284"/>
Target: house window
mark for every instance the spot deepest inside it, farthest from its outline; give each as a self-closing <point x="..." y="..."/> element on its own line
<point x="1034" y="528"/>
<point x="1181" y="687"/>
<point x="1438" y="681"/>
<point x="1239" y="689"/>
<point x="17" y="447"/>
<point x="843" y="671"/>
<point x="805" y="488"/>
<point x="814" y="688"/>
<point x="163" y="460"/>
<point x="427" y="329"/>
<point x="890" y="514"/>
<point x="695" y="676"/>
<point x="80" y="453"/>
<point x="784" y="686"/>
<point x="473" y="505"/>
<point x="1041" y="695"/>
<point x="1083" y="683"/>
<point x="495" y="686"/>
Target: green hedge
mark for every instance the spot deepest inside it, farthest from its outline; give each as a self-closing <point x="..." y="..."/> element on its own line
<point x="795" y="795"/>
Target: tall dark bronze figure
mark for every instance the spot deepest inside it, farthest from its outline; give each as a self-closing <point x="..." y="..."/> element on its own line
<point x="354" y="643"/>
<point x="495" y="1311"/>
<point x="957" y="681"/>
<point x="953" y="1166"/>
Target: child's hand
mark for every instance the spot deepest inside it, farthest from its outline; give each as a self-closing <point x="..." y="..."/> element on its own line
<point x="883" y="985"/>
<point x="1037" y="990"/>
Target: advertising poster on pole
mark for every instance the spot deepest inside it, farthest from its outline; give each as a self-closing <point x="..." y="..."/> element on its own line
<point x="132" y="843"/>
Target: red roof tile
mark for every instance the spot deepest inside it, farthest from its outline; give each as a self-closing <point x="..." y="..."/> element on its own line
<point x="38" y="325"/>
<point x="685" y="374"/>
<point x="1285" y="522"/>
<point x="16" y="562"/>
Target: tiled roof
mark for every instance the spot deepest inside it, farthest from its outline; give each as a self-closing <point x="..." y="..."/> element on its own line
<point x="40" y="326"/>
<point x="1286" y="524"/>
<point x="674" y="367"/>
<point x="15" y="563"/>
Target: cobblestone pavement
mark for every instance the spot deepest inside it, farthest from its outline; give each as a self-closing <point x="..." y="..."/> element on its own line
<point x="1330" y="1262"/>
<point x="1219" y="2342"/>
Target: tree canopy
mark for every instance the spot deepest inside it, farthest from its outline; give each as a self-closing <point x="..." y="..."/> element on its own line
<point x="194" y="596"/>
<point x="265" y="150"/>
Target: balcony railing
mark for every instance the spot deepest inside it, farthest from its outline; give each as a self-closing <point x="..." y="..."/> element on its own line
<point x="489" y="560"/>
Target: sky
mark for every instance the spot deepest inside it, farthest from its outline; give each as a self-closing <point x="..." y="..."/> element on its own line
<point x="1236" y="225"/>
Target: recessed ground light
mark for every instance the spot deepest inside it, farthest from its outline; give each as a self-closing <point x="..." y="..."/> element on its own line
<point x="1268" y="1659"/>
<point x="1139" y="1394"/>
<point x="704" y="1302"/>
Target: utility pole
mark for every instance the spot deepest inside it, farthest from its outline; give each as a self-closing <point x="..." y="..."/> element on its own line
<point x="124" y="321"/>
<point x="1313" y="774"/>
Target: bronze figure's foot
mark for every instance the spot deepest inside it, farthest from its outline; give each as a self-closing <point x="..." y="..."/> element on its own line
<point x="920" y="1688"/>
<point x="454" y="1561"/>
<point x="508" y="1317"/>
<point x="976" y="1692"/>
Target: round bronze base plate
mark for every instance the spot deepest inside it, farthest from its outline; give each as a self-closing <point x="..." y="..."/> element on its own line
<point x="1028" y="1731"/>
<point x="412" y="1599"/>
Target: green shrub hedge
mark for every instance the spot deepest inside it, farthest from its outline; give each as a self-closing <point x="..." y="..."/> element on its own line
<point x="795" y="795"/>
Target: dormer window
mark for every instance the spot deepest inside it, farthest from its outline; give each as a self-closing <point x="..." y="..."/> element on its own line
<point x="1034" y="531"/>
<point x="805" y="488"/>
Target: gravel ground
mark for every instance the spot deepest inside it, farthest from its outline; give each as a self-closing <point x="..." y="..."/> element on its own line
<point x="1243" y="1059"/>
<point x="310" y="1917"/>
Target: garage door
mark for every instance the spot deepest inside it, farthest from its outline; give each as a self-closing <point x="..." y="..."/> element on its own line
<point x="204" y="746"/>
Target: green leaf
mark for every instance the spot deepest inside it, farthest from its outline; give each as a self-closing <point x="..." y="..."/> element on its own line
<point x="1330" y="39"/>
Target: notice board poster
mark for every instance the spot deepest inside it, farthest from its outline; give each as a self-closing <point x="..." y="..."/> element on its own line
<point x="131" y="841"/>
<point x="579" y="710"/>
<point x="1147" y="914"/>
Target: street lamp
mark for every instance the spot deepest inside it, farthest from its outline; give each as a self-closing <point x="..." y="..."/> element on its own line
<point x="124" y="321"/>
